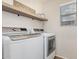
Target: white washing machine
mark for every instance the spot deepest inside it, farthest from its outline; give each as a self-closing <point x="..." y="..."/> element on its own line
<point x="49" y="45"/>
<point x="18" y="44"/>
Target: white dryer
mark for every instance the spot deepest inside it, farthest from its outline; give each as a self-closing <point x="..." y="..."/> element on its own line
<point x="49" y="45"/>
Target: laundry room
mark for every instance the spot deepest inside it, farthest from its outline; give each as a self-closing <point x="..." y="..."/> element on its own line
<point x="39" y="29"/>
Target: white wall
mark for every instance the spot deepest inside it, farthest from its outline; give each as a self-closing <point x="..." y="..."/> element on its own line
<point x="65" y="35"/>
<point x="8" y="1"/>
<point x="12" y="20"/>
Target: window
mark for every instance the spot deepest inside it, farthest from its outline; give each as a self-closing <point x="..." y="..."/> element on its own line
<point x="68" y="14"/>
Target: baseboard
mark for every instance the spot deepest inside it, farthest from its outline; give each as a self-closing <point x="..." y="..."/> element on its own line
<point x="60" y="57"/>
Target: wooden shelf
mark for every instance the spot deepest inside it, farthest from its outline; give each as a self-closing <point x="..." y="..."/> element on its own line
<point x="15" y="11"/>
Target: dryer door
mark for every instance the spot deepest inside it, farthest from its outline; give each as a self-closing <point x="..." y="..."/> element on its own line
<point x="51" y="44"/>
